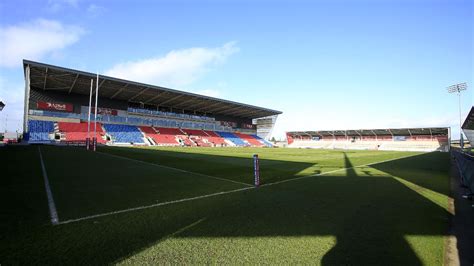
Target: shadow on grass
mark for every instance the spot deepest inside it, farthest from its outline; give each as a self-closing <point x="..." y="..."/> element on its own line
<point x="428" y="170"/>
<point x="370" y="216"/>
<point x="230" y="167"/>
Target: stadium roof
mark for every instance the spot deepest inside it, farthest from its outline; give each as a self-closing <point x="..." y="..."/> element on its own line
<point x="55" y="78"/>
<point x="376" y="132"/>
<point x="469" y="122"/>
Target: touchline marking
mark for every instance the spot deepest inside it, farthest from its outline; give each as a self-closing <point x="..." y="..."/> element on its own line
<point x="52" y="207"/>
<point x="214" y="194"/>
<point x="154" y="205"/>
<point x="177" y="169"/>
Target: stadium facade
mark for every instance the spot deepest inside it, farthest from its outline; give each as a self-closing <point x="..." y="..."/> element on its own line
<point x="468" y="126"/>
<point x="57" y="109"/>
<point x="401" y="139"/>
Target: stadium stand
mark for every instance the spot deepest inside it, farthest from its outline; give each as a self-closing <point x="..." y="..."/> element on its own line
<point x="159" y="139"/>
<point x="215" y="138"/>
<point x="408" y="139"/>
<point x="264" y="142"/>
<point x="233" y="138"/>
<point x="199" y="137"/>
<point x="124" y="133"/>
<point x="135" y="113"/>
<point x="77" y="132"/>
<point x="177" y="134"/>
<point x="249" y="139"/>
<point x="468" y="127"/>
<point x="40" y="131"/>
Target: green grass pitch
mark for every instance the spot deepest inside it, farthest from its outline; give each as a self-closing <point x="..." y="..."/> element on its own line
<point x="145" y="206"/>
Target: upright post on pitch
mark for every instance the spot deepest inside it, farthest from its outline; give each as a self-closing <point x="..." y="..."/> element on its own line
<point x="94" y="139"/>
<point x="88" y="139"/>
<point x="256" y="168"/>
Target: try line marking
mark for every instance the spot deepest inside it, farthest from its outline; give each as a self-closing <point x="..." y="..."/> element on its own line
<point x="176" y="169"/>
<point x="217" y="193"/>
<point x="52" y="207"/>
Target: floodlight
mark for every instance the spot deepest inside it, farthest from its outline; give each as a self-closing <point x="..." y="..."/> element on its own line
<point x="457" y="87"/>
<point x="1" y="105"/>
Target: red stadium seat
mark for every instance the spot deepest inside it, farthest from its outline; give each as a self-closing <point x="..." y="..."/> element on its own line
<point x="158" y="138"/>
<point x="77" y="132"/>
<point x="250" y="139"/>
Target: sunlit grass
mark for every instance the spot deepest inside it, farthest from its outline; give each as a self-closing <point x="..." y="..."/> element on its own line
<point x="386" y="213"/>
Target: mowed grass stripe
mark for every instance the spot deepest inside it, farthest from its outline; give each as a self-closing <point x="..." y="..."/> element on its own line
<point x="338" y="170"/>
<point x="176" y="169"/>
<point x="152" y="206"/>
<point x="214" y="194"/>
<point x="22" y="191"/>
<point x="237" y="164"/>
<point x="315" y="221"/>
<point x="87" y="183"/>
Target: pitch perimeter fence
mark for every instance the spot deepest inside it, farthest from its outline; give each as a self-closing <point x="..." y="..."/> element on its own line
<point x="465" y="164"/>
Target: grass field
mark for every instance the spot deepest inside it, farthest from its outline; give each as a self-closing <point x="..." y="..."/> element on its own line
<point x="198" y="205"/>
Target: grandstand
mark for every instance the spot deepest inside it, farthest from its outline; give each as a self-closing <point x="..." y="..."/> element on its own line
<point x="468" y="126"/>
<point x="391" y="139"/>
<point x="132" y="113"/>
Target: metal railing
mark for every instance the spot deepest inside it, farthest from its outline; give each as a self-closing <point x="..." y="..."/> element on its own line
<point x="465" y="164"/>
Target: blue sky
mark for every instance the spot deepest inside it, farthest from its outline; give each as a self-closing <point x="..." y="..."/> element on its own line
<point x="326" y="64"/>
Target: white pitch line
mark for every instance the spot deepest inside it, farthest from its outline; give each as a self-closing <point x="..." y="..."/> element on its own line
<point x="176" y="169"/>
<point x="52" y="207"/>
<point x="154" y="205"/>
<point x="215" y="194"/>
<point x="185" y="228"/>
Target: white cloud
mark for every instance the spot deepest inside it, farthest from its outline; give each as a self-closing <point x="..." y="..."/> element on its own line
<point x="176" y="68"/>
<point x="35" y="40"/>
<point x="57" y="5"/>
<point x="95" y="10"/>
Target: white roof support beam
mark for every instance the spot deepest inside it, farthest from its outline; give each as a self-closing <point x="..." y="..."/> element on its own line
<point x="73" y="83"/>
<point x="171" y="99"/>
<point x="206" y="108"/>
<point x="138" y="94"/>
<point x="202" y="104"/>
<point x="183" y="103"/>
<point x="154" y="97"/>
<point x="223" y="108"/>
<point x="241" y="112"/>
<point x="45" y="79"/>
<point x="119" y="91"/>
<point x="226" y="111"/>
<point x="102" y="82"/>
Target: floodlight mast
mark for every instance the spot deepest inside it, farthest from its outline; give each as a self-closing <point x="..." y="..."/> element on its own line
<point x="457" y="88"/>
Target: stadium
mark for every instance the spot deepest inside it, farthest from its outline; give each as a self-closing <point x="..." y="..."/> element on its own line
<point x="130" y="113"/>
<point x="116" y="171"/>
